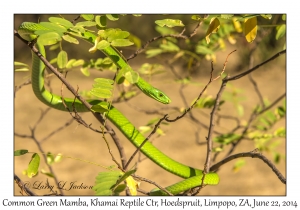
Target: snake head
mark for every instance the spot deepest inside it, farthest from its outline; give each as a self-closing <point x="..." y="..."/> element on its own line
<point x="159" y="96"/>
<point x="152" y="92"/>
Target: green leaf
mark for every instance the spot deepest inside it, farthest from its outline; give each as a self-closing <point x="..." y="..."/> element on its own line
<point x="113" y="17"/>
<point x="121" y="74"/>
<point x="145" y="129"/>
<point x="130" y="94"/>
<point x="16" y="63"/>
<point x="53" y="61"/>
<point x="250" y="28"/>
<point x="105" y="181"/>
<point x="50" y="158"/>
<point x="103" y="83"/>
<point x="70" y="39"/>
<point x="169" y="46"/>
<point x="132" y="77"/>
<point x="238" y="165"/>
<point x="79" y="62"/>
<point x="121" y="43"/>
<point x="78" y="30"/>
<point x="70" y="63"/>
<point x="153" y="121"/>
<point x="86" y="24"/>
<point x="205" y="102"/>
<point x="47" y="173"/>
<point x="165" y="30"/>
<point x="226" y="16"/>
<point x="20" y="152"/>
<point x="58" y="158"/>
<point x="218" y="149"/>
<point x="269" y="17"/>
<point x="203" y="50"/>
<point x="62" y="59"/>
<point x="117" y="34"/>
<point x="124" y="176"/>
<point x="260" y="127"/>
<point x="277" y="157"/>
<point x="151" y="69"/>
<point x="49" y="38"/>
<point x="61" y="21"/>
<point x="101" y="20"/>
<point x="21" y="69"/>
<point x="281" y="31"/>
<point x="120" y="188"/>
<point x="245" y="17"/>
<point x="240" y="110"/>
<point x="283" y="17"/>
<point x="281" y="111"/>
<point x="105" y="63"/>
<point x="54" y="47"/>
<point x="85" y="71"/>
<point x="227" y="138"/>
<point x="24" y="66"/>
<point x="196" y="17"/>
<point x="280" y="132"/>
<point x="104" y="80"/>
<point x="101" y="93"/>
<point x="265" y="121"/>
<point x="153" y="52"/>
<point x="103" y="44"/>
<point x="169" y="23"/>
<point x="160" y="132"/>
<point x="100" y="107"/>
<point x="87" y="16"/>
<point x="33" y="165"/>
<point x="135" y="40"/>
<point x="53" y="27"/>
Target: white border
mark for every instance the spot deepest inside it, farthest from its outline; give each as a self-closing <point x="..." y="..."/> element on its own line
<point x="9" y="8"/>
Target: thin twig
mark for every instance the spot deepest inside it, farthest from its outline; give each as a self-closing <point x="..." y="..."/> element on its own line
<point x="20" y="86"/>
<point x="23" y="186"/>
<point x="236" y="119"/>
<point x="211" y="128"/>
<point x="177" y="36"/>
<point x="154" y="183"/>
<point x="109" y="150"/>
<point x="114" y="137"/>
<point x="256" y="67"/>
<point x="37" y="142"/>
<point x="224" y="65"/>
<point x="57" y="130"/>
<point x="203" y="90"/>
<point x="142" y="144"/>
<point x="260" y="97"/>
<point x="272" y="104"/>
<point x="252" y="154"/>
<point x="153" y="112"/>
<point x="251" y="119"/>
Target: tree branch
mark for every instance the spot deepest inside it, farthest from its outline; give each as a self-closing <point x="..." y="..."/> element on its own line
<point x="256" y="67"/>
<point x="252" y="154"/>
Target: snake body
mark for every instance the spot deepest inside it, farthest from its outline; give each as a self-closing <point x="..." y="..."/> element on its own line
<point x="193" y="177"/>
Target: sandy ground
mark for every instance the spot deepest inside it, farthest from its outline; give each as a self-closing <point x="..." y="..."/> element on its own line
<point x="179" y="141"/>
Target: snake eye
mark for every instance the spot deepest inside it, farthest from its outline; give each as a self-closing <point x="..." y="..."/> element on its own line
<point x="161" y="95"/>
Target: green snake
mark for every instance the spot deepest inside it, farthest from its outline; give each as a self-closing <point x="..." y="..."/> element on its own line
<point x="193" y="177"/>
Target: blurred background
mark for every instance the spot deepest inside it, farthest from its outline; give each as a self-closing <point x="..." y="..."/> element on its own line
<point x="181" y="68"/>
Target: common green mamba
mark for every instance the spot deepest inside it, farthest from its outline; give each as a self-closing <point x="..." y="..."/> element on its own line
<point x="192" y="177"/>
